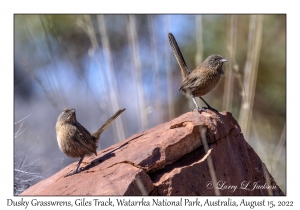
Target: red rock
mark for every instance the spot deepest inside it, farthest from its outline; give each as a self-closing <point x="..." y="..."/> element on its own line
<point x="168" y="159"/>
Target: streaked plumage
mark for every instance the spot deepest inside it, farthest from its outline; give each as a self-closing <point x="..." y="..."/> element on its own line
<point x="75" y="140"/>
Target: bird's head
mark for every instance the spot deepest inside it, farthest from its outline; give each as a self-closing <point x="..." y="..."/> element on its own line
<point x="67" y="115"/>
<point x="215" y="62"/>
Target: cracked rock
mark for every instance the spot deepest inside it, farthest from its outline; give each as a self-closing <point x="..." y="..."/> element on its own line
<point x="169" y="159"/>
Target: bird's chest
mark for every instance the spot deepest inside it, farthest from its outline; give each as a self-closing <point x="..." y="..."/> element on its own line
<point x="65" y="133"/>
<point x="212" y="80"/>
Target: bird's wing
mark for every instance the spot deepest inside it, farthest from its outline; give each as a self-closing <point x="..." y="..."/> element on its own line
<point x="85" y="139"/>
<point x="188" y="83"/>
<point x="184" y="69"/>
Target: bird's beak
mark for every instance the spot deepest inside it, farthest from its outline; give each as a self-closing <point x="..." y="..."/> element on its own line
<point x="223" y="60"/>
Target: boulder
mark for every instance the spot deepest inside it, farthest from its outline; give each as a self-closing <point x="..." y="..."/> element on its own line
<point x="198" y="153"/>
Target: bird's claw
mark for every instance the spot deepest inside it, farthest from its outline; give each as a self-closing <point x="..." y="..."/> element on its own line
<point x="210" y="108"/>
<point x="72" y="173"/>
<point x="198" y="109"/>
<point x="204" y="109"/>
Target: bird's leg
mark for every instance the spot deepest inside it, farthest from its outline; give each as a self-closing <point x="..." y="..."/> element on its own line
<point x="197" y="107"/>
<point x="208" y="106"/>
<point x="76" y="169"/>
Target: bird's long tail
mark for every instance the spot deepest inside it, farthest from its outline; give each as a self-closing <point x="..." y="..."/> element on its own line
<point x="184" y="69"/>
<point x="97" y="134"/>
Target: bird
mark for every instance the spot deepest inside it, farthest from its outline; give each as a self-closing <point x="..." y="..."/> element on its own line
<point x="75" y="140"/>
<point x="202" y="79"/>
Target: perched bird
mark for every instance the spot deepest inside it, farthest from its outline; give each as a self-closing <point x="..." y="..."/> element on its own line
<point x="202" y="79"/>
<point x="76" y="141"/>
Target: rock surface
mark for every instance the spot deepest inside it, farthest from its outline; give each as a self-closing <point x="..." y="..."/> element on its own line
<point x="170" y="159"/>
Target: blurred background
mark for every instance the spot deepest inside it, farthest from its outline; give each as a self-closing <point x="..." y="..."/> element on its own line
<point x="101" y="63"/>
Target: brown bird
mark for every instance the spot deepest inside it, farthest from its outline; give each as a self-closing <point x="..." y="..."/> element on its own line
<point x="202" y="79"/>
<point x="76" y="141"/>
